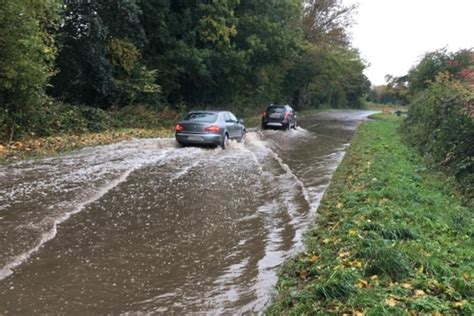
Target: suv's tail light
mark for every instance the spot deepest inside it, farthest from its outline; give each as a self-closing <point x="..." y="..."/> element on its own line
<point x="212" y="129"/>
<point x="179" y="128"/>
<point x="264" y="114"/>
<point x="286" y="115"/>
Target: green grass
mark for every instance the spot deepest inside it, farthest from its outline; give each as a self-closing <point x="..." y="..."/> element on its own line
<point x="391" y="238"/>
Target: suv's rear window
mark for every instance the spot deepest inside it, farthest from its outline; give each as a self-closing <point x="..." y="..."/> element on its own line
<point x="273" y="109"/>
<point x="201" y="117"/>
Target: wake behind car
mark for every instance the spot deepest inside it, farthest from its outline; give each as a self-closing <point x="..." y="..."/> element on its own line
<point x="279" y="116"/>
<point x="209" y="128"/>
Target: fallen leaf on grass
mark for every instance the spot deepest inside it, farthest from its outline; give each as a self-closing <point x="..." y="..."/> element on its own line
<point x="460" y="304"/>
<point x="391" y="302"/>
<point x="356" y="264"/>
<point x="344" y="254"/>
<point x="467" y="276"/>
<point x="419" y="293"/>
<point x="353" y="232"/>
<point x="406" y="286"/>
<point x="420" y="270"/>
<point x="303" y="275"/>
<point x="362" y="283"/>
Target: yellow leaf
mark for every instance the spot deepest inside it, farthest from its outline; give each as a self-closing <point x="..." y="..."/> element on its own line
<point x="419" y="293"/>
<point x="361" y="283"/>
<point x="352" y="232"/>
<point x="356" y="264"/>
<point x="339" y="205"/>
<point x="344" y="254"/>
<point x="460" y="304"/>
<point x="357" y="313"/>
<point x="421" y="269"/>
<point x="314" y="259"/>
<point x="374" y="277"/>
<point x="391" y="301"/>
<point x="406" y="286"/>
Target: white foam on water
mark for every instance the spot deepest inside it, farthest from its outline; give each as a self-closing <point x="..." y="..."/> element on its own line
<point x="61" y="213"/>
<point x="8" y="269"/>
<point x="288" y="170"/>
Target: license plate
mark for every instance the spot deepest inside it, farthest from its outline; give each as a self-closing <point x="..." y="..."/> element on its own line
<point x="194" y="138"/>
<point x="274" y="115"/>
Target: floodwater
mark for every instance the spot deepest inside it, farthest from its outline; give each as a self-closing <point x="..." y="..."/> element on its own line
<point x="145" y="227"/>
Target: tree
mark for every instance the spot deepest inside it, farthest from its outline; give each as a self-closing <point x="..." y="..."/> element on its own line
<point x="221" y="51"/>
<point x="100" y="61"/>
<point x="425" y="72"/>
<point x="27" y="54"/>
<point x="325" y="22"/>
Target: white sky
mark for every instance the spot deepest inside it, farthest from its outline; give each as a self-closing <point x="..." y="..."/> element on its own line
<point x="393" y="35"/>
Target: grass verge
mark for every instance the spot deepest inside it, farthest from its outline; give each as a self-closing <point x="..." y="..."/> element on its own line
<point x="53" y="145"/>
<point x="392" y="238"/>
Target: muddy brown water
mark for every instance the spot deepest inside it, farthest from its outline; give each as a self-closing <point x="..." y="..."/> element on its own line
<point x="144" y="226"/>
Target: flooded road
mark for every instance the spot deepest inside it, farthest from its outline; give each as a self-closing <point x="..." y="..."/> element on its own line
<point x="144" y="226"/>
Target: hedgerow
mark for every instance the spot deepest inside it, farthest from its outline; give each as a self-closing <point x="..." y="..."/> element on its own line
<point x="440" y="125"/>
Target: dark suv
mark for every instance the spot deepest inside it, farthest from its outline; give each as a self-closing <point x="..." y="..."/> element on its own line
<point x="279" y="116"/>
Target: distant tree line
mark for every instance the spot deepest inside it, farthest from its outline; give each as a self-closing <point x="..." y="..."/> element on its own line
<point x="402" y="90"/>
<point x="110" y="54"/>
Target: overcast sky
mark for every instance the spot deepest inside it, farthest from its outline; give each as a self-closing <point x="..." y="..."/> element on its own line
<point x="392" y="35"/>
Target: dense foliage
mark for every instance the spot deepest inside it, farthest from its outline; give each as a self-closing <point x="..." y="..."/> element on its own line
<point x="440" y="122"/>
<point x="111" y="54"/>
<point x="27" y="54"/>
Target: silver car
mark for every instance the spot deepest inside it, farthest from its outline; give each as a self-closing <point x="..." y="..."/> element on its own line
<point x="209" y="128"/>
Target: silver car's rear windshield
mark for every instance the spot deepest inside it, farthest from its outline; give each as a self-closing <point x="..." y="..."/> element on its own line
<point x="276" y="109"/>
<point x="201" y="117"/>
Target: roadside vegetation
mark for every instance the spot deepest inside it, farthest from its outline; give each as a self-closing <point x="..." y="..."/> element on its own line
<point x="392" y="237"/>
<point x="437" y="95"/>
<point x="395" y="232"/>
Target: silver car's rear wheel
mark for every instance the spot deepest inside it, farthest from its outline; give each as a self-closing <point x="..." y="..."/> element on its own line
<point x="225" y="141"/>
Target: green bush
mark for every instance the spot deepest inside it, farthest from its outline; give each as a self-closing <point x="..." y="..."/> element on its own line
<point x="56" y="118"/>
<point x="142" y="116"/>
<point x="440" y="125"/>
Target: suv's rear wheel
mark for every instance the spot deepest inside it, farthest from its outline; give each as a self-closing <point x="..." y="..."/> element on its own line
<point x="242" y="137"/>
